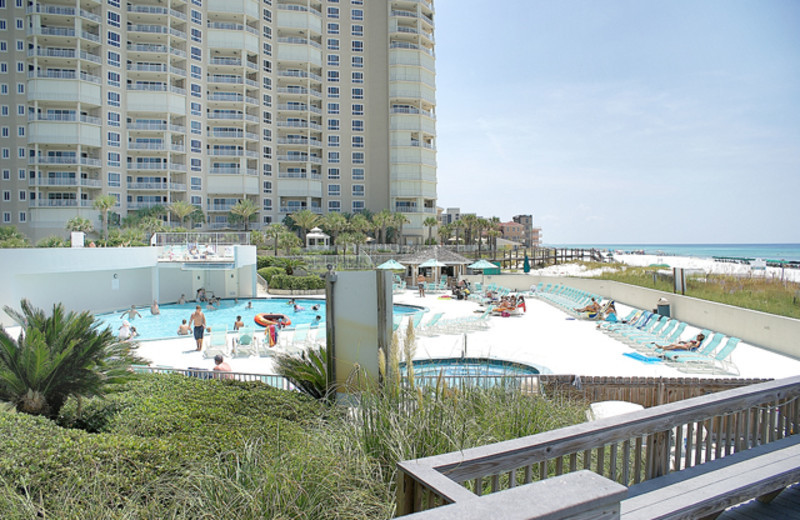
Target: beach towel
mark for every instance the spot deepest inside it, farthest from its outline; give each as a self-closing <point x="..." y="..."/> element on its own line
<point x="272" y="335"/>
<point x="642" y="358"/>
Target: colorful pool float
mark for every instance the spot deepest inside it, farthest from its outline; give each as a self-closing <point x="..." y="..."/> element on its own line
<point x="265" y="319"/>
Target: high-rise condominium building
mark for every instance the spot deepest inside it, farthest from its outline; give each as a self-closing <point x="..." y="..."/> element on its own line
<point x="326" y="105"/>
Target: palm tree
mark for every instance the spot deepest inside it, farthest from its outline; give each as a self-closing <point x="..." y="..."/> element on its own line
<point x="181" y="209"/>
<point x="152" y="224"/>
<point x="103" y="204"/>
<point x="469" y="221"/>
<point x="309" y="373"/>
<point x="79" y="224"/>
<point x="458" y="225"/>
<point x="288" y="240"/>
<point x="493" y="234"/>
<point x="481" y="224"/>
<point x="334" y="223"/>
<point x="290" y="264"/>
<point x="305" y="220"/>
<point x="381" y="221"/>
<point x="274" y="232"/>
<point x="245" y="209"/>
<point x="430" y="223"/>
<point x="398" y="219"/>
<point x="11" y="237"/>
<point x="58" y="356"/>
<point x="445" y="232"/>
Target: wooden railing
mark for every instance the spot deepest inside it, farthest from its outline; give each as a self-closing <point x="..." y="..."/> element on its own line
<point x="274" y="381"/>
<point x="626" y="449"/>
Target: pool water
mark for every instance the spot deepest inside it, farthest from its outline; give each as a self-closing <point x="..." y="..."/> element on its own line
<point x="470" y="367"/>
<point x="165" y="324"/>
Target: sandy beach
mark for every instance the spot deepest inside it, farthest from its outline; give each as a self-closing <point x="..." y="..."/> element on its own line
<point x="704" y="265"/>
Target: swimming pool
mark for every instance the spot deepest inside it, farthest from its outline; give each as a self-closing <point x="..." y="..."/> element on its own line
<point x="165" y="324"/>
<point x="465" y="368"/>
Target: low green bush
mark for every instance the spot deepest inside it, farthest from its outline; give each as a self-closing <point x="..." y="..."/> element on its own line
<point x="268" y="272"/>
<point x="297" y="283"/>
<point x="266" y="261"/>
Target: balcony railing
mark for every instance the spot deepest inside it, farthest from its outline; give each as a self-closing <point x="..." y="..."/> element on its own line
<point x="300" y="175"/>
<point x="299" y="91"/>
<point x="301" y="8"/>
<point x="63" y="74"/>
<point x="84" y="161"/>
<point x="300" y="41"/>
<point x="232" y="27"/>
<point x="65" y="117"/>
<point x="60" y="203"/>
<point x="299" y="74"/>
<point x="160" y="186"/>
<point x="46" y="181"/>
<point x="151" y="9"/>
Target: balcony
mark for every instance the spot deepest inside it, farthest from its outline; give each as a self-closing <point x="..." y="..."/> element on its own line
<point x="46" y="52"/>
<point x="156" y="87"/>
<point x="156" y="186"/>
<point x="64" y="160"/>
<point x="300" y="108"/>
<point x="300" y="175"/>
<point x="299" y="91"/>
<point x="46" y="181"/>
<point x="63" y="74"/>
<point x="65" y="117"/>
<point x="300" y="41"/>
<point x="232" y="27"/>
<point x="151" y="9"/>
<point x="299" y="141"/>
<point x="299" y="74"/>
<point x="299" y="124"/>
<point x="60" y="203"/>
<point x="68" y="32"/>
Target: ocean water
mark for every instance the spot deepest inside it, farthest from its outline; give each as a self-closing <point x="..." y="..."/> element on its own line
<point x="789" y="252"/>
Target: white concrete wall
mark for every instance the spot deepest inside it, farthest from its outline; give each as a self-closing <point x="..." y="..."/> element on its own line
<point x="108" y="279"/>
<point x="776" y="333"/>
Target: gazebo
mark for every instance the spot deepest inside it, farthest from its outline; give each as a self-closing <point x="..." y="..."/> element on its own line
<point x="316" y="238"/>
<point x="454" y="264"/>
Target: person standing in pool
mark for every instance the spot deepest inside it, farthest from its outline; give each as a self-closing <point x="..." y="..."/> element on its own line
<point x="198" y="321"/>
<point x="131" y="313"/>
<point x="238" y="324"/>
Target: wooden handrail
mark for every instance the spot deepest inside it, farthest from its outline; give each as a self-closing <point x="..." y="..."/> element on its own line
<point x="712" y="426"/>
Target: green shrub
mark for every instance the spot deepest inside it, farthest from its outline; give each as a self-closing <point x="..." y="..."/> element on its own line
<point x="268" y="272"/>
<point x="266" y="261"/>
<point x="297" y="283"/>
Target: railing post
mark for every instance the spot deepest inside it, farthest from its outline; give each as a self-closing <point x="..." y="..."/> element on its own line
<point x="405" y="494"/>
<point x="657" y="454"/>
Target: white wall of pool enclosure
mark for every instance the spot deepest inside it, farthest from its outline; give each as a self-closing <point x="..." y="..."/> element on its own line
<point x="114" y="278"/>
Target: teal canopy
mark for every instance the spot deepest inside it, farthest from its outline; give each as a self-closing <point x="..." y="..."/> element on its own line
<point x="391" y="265"/>
<point x="482" y="264"/>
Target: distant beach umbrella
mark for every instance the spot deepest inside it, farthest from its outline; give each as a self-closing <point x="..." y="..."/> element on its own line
<point x="482" y="265"/>
<point x="436" y="264"/>
<point x="526" y="265"/>
<point x="391" y="265"/>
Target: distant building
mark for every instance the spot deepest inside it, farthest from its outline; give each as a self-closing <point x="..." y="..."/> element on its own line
<point x="513" y="231"/>
<point x="531" y="234"/>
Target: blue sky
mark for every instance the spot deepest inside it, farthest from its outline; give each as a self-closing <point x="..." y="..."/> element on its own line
<point x="623" y="121"/>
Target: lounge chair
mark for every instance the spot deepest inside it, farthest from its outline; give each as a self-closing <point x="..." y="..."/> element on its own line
<point x="429" y="328"/>
<point x="706" y="347"/>
<point x="217" y="343"/>
<point x="719" y="363"/>
<point x="245" y="343"/>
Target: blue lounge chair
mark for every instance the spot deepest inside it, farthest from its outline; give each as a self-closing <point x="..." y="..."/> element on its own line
<point x="718" y="363"/>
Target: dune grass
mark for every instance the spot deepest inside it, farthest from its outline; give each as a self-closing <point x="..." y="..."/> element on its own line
<point x="765" y="294"/>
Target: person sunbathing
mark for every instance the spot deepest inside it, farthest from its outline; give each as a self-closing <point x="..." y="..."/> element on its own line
<point x="690" y="345"/>
<point x="592" y="307"/>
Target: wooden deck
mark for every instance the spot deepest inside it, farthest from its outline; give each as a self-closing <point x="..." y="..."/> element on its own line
<point x="786" y="506"/>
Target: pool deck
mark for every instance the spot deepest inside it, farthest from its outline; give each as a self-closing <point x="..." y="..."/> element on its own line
<point x="544" y="336"/>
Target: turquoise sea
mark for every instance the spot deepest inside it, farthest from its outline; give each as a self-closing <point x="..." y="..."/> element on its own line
<point x="788" y="252"/>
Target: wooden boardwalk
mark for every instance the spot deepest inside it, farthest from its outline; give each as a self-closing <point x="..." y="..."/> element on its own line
<point x="786" y="506"/>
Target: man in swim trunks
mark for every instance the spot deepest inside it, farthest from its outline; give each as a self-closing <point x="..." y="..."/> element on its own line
<point x="198" y="321"/>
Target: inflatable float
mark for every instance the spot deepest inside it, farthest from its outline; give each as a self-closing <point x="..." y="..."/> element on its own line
<point x="265" y="319"/>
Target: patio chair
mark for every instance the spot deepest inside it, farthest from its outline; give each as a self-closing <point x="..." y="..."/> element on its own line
<point x="217" y="343"/>
<point x="245" y="344"/>
<point x="429" y="328"/>
<point x="719" y="363"/>
<point x="707" y="347"/>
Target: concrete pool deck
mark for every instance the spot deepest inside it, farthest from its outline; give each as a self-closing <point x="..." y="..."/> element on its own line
<point x="544" y="337"/>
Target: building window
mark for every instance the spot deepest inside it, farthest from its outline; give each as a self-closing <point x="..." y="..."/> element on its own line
<point x="196" y="108"/>
<point x="358" y="109"/>
<point x="197" y="165"/>
<point x="333" y="75"/>
<point x="113" y="99"/>
<point x="6" y="217"/>
<point x="114" y="179"/>
<point x="23" y="216"/>
<point x="113" y="58"/>
<point x="197" y="54"/>
<point x="333" y="124"/>
<point x="334" y="206"/>
<point x="113" y="39"/>
<point x="358" y="190"/>
<point x="333" y="141"/>
<point x="267" y="99"/>
<point x="334" y="190"/>
<point x="196" y="183"/>
<point x="113" y="79"/>
<point x="113" y="19"/>
<point x="333" y="92"/>
<point x="357" y="30"/>
<point x="267" y="15"/>
<point x="358" y="77"/>
<point x="358" y="141"/>
<point x="333" y="108"/>
<point x="197" y="35"/>
<point x="196" y="90"/>
<point x="358" y="93"/>
<point x="267" y="205"/>
<point x="333" y="12"/>
<point x="197" y="127"/>
<point x="268" y="187"/>
<point x="197" y="17"/>
<point x="357" y="174"/>
<point x="333" y="60"/>
<point x="358" y="125"/>
<point x="113" y="119"/>
<point x="357" y="14"/>
<point x="333" y="173"/>
<point x="267" y="49"/>
<point x="113" y="159"/>
<point x="333" y="44"/>
<point x="113" y="139"/>
<point x="196" y="146"/>
<point x="358" y="46"/>
<point x="6" y="175"/>
<point x="267" y="170"/>
<point x="333" y="28"/>
<point x="333" y="157"/>
<point x="358" y="157"/>
<point x="197" y="71"/>
<point x="358" y="206"/>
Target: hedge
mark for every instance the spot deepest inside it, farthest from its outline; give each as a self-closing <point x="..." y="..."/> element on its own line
<point x="266" y="261"/>
<point x="268" y="272"/>
<point x="296" y="283"/>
